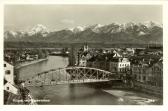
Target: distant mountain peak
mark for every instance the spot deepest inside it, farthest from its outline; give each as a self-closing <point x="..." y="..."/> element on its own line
<point x="39" y="29"/>
<point x="77" y="29"/>
<point x="9" y="34"/>
<point x="151" y="24"/>
<point x="95" y="28"/>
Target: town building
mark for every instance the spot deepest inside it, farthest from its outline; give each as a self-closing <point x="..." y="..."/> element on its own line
<point x="156" y="77"/>
<point x="150" y="74"/>
<point x="141" y="73"/>
<point x="130" y="51"/>
<point x="116" y="53"/>
<point x="10" y="87"/>
<point x="119" y="65"/>
<point x="82" y="61"/>
<point x="9" y="72"/>
<point x="30" y="57"/>
<point x="9" y="78"/>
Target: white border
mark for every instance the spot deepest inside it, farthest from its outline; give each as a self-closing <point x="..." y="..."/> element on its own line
<point x="125" y="2"/>
<point x="90" y="107"/>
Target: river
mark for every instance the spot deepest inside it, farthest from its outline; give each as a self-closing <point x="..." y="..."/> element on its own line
<point x="80" y="94"/>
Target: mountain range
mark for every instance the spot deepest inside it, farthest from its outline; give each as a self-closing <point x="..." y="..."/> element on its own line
<point x="130" y="33"/>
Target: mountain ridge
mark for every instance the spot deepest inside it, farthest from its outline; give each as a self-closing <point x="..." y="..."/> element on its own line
<point x="110" y="33"/>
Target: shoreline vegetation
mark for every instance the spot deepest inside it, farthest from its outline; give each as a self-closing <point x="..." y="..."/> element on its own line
<point x="20" y="65"/>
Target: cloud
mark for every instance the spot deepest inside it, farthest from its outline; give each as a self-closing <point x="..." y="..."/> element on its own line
<point x="67" y="21"/>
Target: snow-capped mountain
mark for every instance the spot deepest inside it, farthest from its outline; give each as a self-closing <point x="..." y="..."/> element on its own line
<point x="38" y="29"/>
<point x="14" y="34"/>
<point x="8" y="34"/>
<point x="77" y="29"/>
<point x="114" y="32"/>
<point x="150" y="24"/>
<point x="95" y="28"/>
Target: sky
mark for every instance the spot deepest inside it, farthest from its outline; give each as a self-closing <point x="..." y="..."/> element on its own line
<point x="57" y="17"/>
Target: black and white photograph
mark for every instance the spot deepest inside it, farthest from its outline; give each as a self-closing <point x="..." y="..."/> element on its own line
<point x="83" y="54"/>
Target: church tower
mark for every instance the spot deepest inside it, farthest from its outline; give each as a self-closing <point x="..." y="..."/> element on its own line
<point x="85" y="48"/>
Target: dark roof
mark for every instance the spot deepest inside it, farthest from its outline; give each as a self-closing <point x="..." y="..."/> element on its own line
<point x="5" y="81"/>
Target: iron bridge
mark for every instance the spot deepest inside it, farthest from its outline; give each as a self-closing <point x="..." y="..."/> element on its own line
<point x="70" y="75"/>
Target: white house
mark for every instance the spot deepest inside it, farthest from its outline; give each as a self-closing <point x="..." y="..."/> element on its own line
<point x="10" y="88"/>
<point x="131" y="51"/>
<point x="9" y="72"/>
<point x="83" y="61"/>
<point x="116" y="54"/>
<point x="120" y="65"/>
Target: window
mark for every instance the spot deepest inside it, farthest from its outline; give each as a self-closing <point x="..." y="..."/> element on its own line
<point x="7" y="72"/>
<point x="139" y="77"/>
<point x="144" y="78"/>
<point x="4" y="65"/>
<point x="7" y="88"/>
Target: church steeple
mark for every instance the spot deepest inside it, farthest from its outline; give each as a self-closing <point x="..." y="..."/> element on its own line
<point x="85" y="48"/>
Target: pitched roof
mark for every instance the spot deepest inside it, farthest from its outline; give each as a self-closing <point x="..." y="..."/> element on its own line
<point x="8" y="63"/>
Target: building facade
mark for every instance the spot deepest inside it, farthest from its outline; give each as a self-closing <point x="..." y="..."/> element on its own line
<point x="83" y="61"/>
<point x="10" y="88"/>
<point x="141" y="73"/>
<point x="9" y="72"/>
<point x="119" y="65"/>
<point x="151" y="75"/>
<point x="156" y="78"/>
<point x="9" y="78"/>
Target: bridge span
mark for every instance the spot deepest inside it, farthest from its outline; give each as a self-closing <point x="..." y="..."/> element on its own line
<point x="70" y="75"/>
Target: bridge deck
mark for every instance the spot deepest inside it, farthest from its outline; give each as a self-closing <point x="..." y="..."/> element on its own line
<point x="66" y="82"/>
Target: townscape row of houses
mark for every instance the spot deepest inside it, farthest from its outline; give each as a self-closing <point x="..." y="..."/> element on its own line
<point x="9" y="77"/>
<point x="14" y="94"/>
<point x="144" y="65"/>
<point x="24" y="55"/>
<point x="20" y="58"/>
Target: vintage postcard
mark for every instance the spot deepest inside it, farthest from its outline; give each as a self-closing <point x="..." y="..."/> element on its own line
<point x="83" y="54"/>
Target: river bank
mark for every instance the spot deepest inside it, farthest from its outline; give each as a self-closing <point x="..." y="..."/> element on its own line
<point x="20" y="65"/>
<point x="134" y="97"/>
<point x="154" y="90"/>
